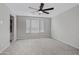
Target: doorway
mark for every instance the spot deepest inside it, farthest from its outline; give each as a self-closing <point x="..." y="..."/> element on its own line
<point x="11" y="28"/>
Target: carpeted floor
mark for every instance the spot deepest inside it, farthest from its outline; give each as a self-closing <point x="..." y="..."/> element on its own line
<point x="44" y="46"/>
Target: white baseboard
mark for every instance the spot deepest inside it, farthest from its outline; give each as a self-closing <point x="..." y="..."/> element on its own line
<point x="70" y="44"/>
<point x="5" y="47"/>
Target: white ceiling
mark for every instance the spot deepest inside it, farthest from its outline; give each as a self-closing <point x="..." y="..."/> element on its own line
<point x="22" y="8"/>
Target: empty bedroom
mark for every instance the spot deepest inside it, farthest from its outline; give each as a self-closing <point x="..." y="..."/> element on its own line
<point x="39" y="29"/>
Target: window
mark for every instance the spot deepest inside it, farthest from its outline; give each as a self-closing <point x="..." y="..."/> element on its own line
<point x="34" y="26"/>
<point x="28" y="26"/>
<point x="41" y="25"/>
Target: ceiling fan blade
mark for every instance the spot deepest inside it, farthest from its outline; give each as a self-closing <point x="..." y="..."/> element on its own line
<point x="33" y="8"/>
<point x="41" y="6"/>
<point x="48" y="9"/>
<point x="45" y="12"/>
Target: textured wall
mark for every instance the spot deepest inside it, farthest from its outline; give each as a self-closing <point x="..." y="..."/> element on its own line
<point x="4" y="27"/>
<point x="66" y="27"/>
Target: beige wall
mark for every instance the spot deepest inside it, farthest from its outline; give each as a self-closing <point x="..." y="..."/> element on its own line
<point x="4" y="27"/>
<point x="66" y="27"/>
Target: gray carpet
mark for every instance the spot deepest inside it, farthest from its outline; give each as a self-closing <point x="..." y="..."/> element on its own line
<point x="44" y="46"/>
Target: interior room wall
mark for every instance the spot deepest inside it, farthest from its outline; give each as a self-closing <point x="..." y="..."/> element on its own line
<point x="66" y="27"/>
<point x="4" y="27"/>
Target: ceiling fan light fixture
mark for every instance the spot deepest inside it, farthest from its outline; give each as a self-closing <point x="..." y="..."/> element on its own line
<point x="41" y="9"/>
<point x="40" y="12"/>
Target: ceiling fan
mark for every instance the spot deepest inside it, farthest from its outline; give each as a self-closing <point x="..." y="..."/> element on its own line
<point x="41" y="9"/>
